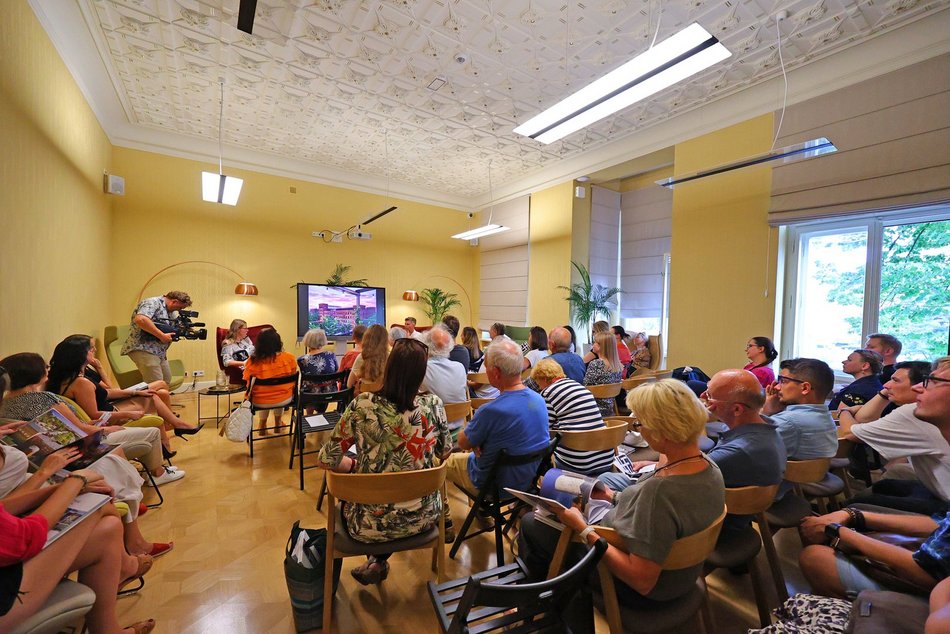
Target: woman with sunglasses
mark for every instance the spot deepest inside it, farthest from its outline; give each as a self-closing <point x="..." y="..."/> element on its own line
<point x="395" y="429"/>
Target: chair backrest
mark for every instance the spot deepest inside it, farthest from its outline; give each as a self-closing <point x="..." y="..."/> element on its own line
<point x="663" y="374"/>
<point x="382" y="488"/>
<point x="806" y="471"/>
<point x="478" y="402"/>
<point x="504" y="459"/>
<point x="367" y="386"/>
<point x="750" y="500"/>
<point x="605" y="390"/>
<point x="636" y="381"/>
<point x="627" y="420"/>
<point x="478" y="377"/>
<point x="655" y="346"/>
<point x="277" y="380"/>
<point x="455" y="411"/>
<point x="340" y="396"/>
<point x="526" y="374"/>
<point x="609" y="437"/>
<point x="123" y="368"/>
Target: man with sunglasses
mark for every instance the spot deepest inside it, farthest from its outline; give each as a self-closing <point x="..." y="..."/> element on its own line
<point x="796" y="404"/>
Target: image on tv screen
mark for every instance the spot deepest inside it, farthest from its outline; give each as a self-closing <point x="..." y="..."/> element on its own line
<point x="338" y="309"/>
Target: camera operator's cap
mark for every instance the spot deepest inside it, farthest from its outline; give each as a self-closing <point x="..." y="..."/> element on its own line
<point x="245" y="288"/>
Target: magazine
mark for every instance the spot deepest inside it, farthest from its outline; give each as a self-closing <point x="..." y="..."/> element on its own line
<point x="559" y="490"/>
<point x="82" y="506"/>
<point x="51" y="431"/>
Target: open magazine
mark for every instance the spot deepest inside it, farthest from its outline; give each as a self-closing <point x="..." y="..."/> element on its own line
<point x="559" y="490"/>
<point x="81" y="507"/>
<point x="51" y="431"/>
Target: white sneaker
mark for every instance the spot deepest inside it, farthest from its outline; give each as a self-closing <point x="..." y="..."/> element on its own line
<point x="171" y="474"/>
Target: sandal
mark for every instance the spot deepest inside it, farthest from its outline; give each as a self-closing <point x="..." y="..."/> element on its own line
<point x="145" y="564"/>
<point x="372" y="572"/>
<point x="142" y="627"/>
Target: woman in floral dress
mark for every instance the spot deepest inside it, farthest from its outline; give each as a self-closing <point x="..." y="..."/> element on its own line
<point x="604" y="369"/>
<point x="395" y="429"/>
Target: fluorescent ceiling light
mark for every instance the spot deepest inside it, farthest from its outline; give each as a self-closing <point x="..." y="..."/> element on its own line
<point x="789" y="154"/>
<point x="691" y="50"/>
<point x="481" y="232"/>
<point x="218" y="188"/>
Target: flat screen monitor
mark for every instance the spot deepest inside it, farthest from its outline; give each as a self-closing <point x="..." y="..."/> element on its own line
<point x="337" y="309"/>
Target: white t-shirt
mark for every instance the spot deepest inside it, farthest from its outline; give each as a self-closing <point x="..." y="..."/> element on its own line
<point x="900" y="434"/>
<point x="536" y="355"/>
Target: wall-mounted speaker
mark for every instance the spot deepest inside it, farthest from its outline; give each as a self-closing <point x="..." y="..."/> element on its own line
<point x="112" y="184"/>
<point x="580" y="192"/>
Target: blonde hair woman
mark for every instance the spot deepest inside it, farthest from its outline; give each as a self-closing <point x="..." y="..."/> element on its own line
<point x="604" y="369"/>
<point x="236" y="348"/>
<point x="371" y="363"/>
<point x="681" y="497"/>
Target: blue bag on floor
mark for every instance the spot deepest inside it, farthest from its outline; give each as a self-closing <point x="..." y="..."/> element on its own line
<point x="304" y="571"/>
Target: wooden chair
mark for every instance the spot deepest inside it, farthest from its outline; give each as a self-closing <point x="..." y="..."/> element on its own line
<point x="367" y="386"/>
<point x="740" y="547"/>
<point x="841" y="462"/>
<point x="501" y="599"/>
<point x="628" y="420"/>
<point x="259" y="407"/>
<point x="300" y="428"/>
<point x="636" y="381"/>
<point x="655" y="346"/>
<point x="379" y="488"/>
<point x="663" y="374"/>
<point x="477" y="377"/>
<point x="608" y="437"/>
<point x="454" y="411"/>
<point x="606" y="390"/>
<point x="686" y="552"/>
<point x="478" y="402"/>
<point x="525" y="374"/>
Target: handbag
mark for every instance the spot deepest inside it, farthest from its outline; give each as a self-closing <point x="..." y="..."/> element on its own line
<point x="304" y="560"/>
<point x="239" y="424"/>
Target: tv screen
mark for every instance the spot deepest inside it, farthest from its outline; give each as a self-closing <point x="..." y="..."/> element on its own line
<point x="337" y="309"/>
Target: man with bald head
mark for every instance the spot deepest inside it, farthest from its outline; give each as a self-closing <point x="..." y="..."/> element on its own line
<point x="559" y="342"/>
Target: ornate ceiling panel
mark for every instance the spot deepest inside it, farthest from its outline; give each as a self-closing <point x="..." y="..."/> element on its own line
<point x="344" y="83"/>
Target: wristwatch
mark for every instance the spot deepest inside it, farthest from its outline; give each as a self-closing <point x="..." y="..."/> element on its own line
<point x="832" y="530"/>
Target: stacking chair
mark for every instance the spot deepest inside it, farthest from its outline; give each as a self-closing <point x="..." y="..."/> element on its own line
<point x="454" y="411"/>
<point x="493" y="501"/>
<point x="663" y="374"/>
<point x="740" y="547"/>
<point x="629" y="420"/>
<point x="500" y="599"/>
<point x="606" y="390"/>
<point x="63" y="610"/>
<point x="367" y="386"/>
<point x="379" y="488"/>
<point x="259" y="407"/>
<point x="636" y="381"/>
<point x="840" y="464"/>
<point x="478" y="402"/>
<point x="299" y="426"/>
<point x="608" y="437"/>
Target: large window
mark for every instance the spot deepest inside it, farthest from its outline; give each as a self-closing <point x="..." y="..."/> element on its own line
<point x="881" y="274"/>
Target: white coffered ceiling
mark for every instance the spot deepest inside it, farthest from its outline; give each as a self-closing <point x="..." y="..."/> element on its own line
<point x="336" y="90"/>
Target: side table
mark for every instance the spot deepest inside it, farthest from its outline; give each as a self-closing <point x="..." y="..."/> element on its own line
<point x="217" y="393"/>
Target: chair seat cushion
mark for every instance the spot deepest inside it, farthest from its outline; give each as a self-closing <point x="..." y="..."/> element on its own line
<point x="660" y="616"/>
<point x="343" y="543"/>
<point x="840" y="463"/>
<point x="830" y="485"/>
<point x="735" y="548"/>
<point x="788" y="512"/>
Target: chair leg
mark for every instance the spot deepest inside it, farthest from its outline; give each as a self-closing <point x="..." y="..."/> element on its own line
<point x="761" y="604"/>
<point x="774" y="564"/>
<point x="706" y="623"/>
<point x="460" y="536"/>
<point x="151" y="479"/>
<point x="328" y="567"/>
<point x="499" y="543"/>
<point x="323" y="491"/>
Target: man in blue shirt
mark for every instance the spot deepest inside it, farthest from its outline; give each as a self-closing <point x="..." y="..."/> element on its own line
<point x="865" y="367"/>
<point x="796" y="404"/>
<point x="516" y="421"/>
<point x="559" y="341"/>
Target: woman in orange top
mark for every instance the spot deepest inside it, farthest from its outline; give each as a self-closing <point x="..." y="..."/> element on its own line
<point x="268" y="361"/>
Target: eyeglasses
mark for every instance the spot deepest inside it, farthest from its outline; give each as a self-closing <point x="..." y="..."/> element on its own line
<point x="412" y="341"/>
<point x="709" y="399"/>
<point x="752" y="345"/>
<point x="930" y="377"/>
<point x="635" y="424"/>
<point x="787" y="379"/>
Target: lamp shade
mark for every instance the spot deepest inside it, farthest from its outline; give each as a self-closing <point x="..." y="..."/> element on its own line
<point x="410" y="296"/>
<point x="245" y="288"/>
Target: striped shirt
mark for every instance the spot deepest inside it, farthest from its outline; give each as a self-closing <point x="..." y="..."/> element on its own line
<point x="571" y="407"/>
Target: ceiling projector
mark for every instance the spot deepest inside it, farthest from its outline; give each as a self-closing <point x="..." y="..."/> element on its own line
<point x="356" y="233"/>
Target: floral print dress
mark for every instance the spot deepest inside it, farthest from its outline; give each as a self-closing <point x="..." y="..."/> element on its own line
<point x="599" y="374"/>
<point x="388" y="441"/>
<point x="320" y="363"/>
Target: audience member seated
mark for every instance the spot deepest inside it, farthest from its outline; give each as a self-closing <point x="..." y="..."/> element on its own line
<point x="459" y="352"/>
<point x="836" y="541"/>
<point x="864" y="366"/>
<point x="683" y="496"/>
<point x="796" y="404"/>
<point x="29" y="571"/>
<point x="371" y="361"/>
<point x="621" y="337"/>
<point x="571" y="407"/>
<point x="516" y="421"/>
<point x="537" y="347"/>
<point x="395" y="334"/>
<point x="640" y="358"/>
<point x="471" y="343"/>
<point x="317" y="361"/>
<point x="395" y="429"/>
<point x="761" y="353"/>
<point x="573" y="347"/>
<point x="443" y="377"/>
<point x="270" y="361"/>
<point x="605" y="369"/>
<point x="559" y="340"/>
<point x="919" y="431"/>
<point x="346" y="363"/>
<point x="896" y="392"/>
<point x="889" y="347"/>
<point x="65" y="378"/>
<point x="237" y="347"/>
<point x="410" y="324"/>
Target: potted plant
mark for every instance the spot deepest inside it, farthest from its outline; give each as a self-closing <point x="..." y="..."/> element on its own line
<point x="437" y="302"/>
<point x="337" y="277"/>
<point x="589" y="301"/>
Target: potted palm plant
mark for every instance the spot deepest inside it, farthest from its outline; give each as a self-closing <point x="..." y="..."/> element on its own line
<point x="437" y="302"/>
<point x="589" y="301"/>
<point x="338" y="277"/>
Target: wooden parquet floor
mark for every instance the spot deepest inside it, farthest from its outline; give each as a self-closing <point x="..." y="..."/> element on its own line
<point x="230" y="518"/>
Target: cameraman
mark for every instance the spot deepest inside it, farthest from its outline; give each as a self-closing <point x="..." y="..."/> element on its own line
<point x="147" y="346"/>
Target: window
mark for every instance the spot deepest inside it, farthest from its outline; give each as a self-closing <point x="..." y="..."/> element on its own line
<point x="847" y="279"/>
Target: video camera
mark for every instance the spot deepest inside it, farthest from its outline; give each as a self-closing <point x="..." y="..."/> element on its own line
<point x="182" y="327"/>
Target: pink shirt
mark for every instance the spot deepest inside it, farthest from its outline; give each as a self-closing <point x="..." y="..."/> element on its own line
<point x="21" y="538"/>
<point x="764" y="374"/>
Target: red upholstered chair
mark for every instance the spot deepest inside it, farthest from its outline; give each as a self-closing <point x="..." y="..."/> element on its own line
<point x="235" y="376"/>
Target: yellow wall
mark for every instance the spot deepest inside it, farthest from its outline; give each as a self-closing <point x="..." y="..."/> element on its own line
<point x="720" y="294"/>
<point x="550" y="247"/>
<point x="54" y="246"/>
<point x="267" y="238"/>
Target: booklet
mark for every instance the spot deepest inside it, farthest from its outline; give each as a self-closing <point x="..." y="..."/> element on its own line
<point x="322" y="422"/>
<point x="81" y="507"/>
<point x="51" y="431"/>
<point x="558" y="491"/>
<point x="138" y="387"/>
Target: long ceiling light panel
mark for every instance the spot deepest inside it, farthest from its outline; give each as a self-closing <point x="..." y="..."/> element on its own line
<point x="691" y="50"/>
<point x="480" y="232"/>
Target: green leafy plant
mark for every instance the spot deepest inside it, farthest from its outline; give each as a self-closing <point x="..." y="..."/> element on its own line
<point x="436" y="303"/>
<point x="337" y="278"/>
<point x="589" y="301"/>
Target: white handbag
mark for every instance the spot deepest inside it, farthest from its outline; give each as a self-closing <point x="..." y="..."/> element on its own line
<point x="239" y="424"/>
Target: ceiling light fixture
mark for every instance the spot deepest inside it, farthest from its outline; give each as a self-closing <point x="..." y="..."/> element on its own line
<point x="691" y="50"/>
<point x="488" y="228"/>
<point x="218" y="188"/>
